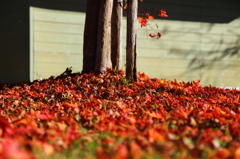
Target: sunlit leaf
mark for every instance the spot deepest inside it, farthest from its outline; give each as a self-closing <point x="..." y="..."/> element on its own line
<point x="143" y="21"/>
<point x="163" y="13"/>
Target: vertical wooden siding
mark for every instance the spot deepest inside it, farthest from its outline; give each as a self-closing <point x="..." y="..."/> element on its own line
<point x="14" y="41"/>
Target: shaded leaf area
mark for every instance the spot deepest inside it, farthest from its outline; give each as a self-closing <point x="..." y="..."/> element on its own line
<point x="107" y="116"/>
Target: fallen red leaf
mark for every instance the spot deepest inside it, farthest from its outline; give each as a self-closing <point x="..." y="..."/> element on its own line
<point x="117" y="118"/>
<point x="121" y="152"/>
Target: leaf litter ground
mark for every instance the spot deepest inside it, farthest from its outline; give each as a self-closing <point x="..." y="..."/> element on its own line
<point x="106" y="116"/>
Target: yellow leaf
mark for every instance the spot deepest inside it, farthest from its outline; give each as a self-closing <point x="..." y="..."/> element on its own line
<point x="48" y="149"/>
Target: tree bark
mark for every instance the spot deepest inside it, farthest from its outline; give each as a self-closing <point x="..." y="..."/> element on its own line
<point x="116" y="34"/>
<point x="90" y="35"/>
<point x="103" y="56"/>
<point x="131" y="69"/>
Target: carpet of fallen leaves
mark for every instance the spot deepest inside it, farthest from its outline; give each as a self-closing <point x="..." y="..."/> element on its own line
<point x="150" y="117"/>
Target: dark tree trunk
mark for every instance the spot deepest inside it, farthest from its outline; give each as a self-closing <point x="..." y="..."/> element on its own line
<point x="131" y="69"/>
<point x="90" y="35"/>
<point x="116" y="34"/>
<point x="103" y="56"/>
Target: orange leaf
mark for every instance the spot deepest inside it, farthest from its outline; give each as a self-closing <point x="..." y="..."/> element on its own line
<point x="135" y="150"/>
<point x="149" y="16"/>
<point x="69" y="105"/>
<point x="101" y="154"/>
<point x="125" y="6"/>
<point x="154" y="135"/>
<point x="121" y="152"/>
<point x="12" y="149"/>
<point x="237" y="153"/>
<point x="48" y="149"/>
<point x="223" y="153"/>
<point x="143" y="21"/>
<point x="162" y="13"/>
<point x="155" y="115"/>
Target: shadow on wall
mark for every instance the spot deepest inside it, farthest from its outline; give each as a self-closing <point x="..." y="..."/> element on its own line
<point x="217" y="55"/>
<point x="217" y="59"/>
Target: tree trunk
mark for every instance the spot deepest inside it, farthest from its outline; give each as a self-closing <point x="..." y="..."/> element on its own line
<point x="103" y="56"/>
<point x="116" y="34"/>
<point x="90" y="35"/>
<point x="131" y="69"/>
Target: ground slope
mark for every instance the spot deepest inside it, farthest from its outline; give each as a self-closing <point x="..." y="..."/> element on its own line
<point x="107" y="116"/>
